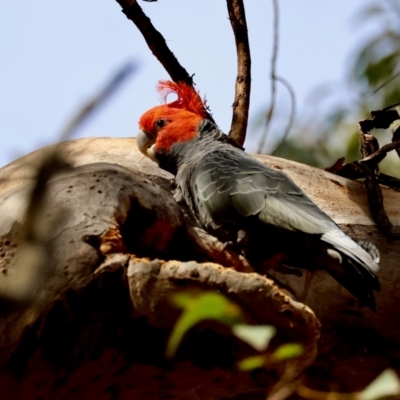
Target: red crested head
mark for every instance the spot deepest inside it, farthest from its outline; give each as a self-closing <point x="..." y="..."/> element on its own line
<point x="188" y="98"/>
<point x="172" y="122"/>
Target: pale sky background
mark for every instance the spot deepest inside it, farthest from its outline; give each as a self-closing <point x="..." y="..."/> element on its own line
<point x="56" y="54"/>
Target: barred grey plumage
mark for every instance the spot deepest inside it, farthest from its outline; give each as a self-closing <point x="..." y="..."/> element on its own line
<point x="227" y="190"/>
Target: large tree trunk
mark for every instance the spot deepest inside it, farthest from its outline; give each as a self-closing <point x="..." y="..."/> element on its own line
<point x="85" y="291"/>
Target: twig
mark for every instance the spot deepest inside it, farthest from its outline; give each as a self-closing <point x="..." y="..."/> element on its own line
<point x="155" y="41"/>
<point x="52" y="162"/>
<point x="95" y="102"/>
<point x="351" y="171"/>
<point x="380" y="154"/>
<point x="368" y="143"/>
<point x="87" y="110"/>
<point x="388" y="180"/>
<point x="373" y="155"/>
<point x="157" y="44"/>
<point x="368" y="166"/>
<point x="369" y="94"/>
<point x="275" y="78"/>
<point x="34" y="233"/>
<point x="292" y="111"/>
<point x="375" y="203"/>
<point x="270" y="112"/>
<point x="396" y="134"/>
<point x="369" y="146"/>
<point x="241" y="103"/>
<point x="337" y="166"/>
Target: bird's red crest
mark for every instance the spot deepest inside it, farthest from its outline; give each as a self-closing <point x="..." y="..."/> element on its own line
<point x="188" y="98"/>
<point x="180" y="118"/>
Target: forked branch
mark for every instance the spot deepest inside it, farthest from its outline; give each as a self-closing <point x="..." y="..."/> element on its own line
<point x="178" y="73"/>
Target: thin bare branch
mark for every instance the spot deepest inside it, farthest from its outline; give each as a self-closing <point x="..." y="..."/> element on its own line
<point x="368" y="145"/>
<point x="157" y="44"/>
<point x="52" y="162"/>
<point x="275" y="78"/>
<point x="34" y="233"/>
<point x="371" y="93"/>
<point x="380" y="154"/>
<point x="241" y="103"/>
<point x="271" y="109"/>
<point x="395" y="130"/>
<point x="375" y="203"/>
<point x="292" y="110"/>
<point x="369" y="166"/>
<point x="96" y="101"/>
<point x="155" y="41"/>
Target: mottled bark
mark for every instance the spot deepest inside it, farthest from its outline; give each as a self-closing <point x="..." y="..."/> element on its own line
<point x="112" y="245"/>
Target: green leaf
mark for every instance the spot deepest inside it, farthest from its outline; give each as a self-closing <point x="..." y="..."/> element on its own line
<point x="208" y="305"/>
<point x="386" y="384"/>
<point x="250" y="363"/>
<point x="288" y="350"/>
<point x="257" y="336"/>
<point x="181" y="299"/>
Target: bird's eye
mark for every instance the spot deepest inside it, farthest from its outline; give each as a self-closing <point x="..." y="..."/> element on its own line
<point x="160" y="123"/>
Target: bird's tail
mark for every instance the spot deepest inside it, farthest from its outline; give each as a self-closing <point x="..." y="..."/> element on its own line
<point x="359" y="262"/>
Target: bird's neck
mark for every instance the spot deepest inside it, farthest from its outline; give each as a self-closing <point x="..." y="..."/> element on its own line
<point x="209" y="137"/>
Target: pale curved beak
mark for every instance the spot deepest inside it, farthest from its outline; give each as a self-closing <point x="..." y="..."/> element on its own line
<point x="146" y="144"/>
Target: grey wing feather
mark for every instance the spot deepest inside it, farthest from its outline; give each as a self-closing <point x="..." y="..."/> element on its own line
<point x="232" y="180"/>
<point x="231" y="185"/>
<point x="346" y="245"/>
